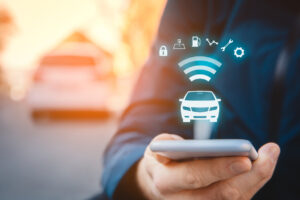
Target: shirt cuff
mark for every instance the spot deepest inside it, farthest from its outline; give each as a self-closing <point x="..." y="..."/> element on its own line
<point x="119" y="159"/>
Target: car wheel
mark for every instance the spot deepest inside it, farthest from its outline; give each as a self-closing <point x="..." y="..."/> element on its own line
<point x="186" y="120"/>
<point x="213" y="120"/>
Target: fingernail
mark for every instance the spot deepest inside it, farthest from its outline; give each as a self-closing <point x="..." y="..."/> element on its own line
<point x="274" y="153"/>
<point x="238" y="167"/>
<point x="176" y="137"/>
<point x="162" y="159"/>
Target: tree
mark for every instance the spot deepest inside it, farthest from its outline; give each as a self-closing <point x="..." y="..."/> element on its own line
<point x="6" y="23"/>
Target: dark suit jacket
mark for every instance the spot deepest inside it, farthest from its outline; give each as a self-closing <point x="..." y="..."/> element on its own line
<point x="244" y="85"/>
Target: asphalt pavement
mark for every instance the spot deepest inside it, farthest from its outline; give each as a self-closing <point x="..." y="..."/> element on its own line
<point x="55" y="160"/>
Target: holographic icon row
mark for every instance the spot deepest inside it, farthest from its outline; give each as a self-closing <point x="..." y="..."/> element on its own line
<point x="196" y="42"/>
<point x="199" y="105"/>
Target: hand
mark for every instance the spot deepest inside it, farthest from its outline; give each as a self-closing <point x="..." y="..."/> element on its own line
<point x="217" y="178"/>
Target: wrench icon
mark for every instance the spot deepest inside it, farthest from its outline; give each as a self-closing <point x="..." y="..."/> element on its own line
<point x="228" y="43"/>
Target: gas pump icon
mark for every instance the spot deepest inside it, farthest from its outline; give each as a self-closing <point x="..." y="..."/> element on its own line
<point x="196" y="41"/>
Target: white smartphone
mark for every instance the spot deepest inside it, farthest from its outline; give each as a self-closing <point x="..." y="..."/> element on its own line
<point x="191" y="149"/>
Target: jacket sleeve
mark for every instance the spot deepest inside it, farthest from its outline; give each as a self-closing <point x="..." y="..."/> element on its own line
<point x="154" y="106"/>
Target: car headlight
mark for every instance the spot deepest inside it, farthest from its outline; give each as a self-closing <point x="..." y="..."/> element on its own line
<point x="213" y="108"/>
<point x="186" y="108"/>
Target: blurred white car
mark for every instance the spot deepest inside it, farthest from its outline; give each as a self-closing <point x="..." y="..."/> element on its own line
<point x="200" y="105"/>
<point x="72" y="79"/>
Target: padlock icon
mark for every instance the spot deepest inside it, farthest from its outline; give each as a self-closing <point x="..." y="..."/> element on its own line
<point x="163" y="51"/>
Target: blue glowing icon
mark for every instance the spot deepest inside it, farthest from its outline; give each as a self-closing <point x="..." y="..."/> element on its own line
<point x="226" y="45"/>
<point x="199" y="105"/>
<point x="200" y="67"/>
<point x="239" y="52"/>
<point x="179" y="45"/>
<point x="210" y="43"/>
<point x="163" y="51"/>
<point x="196" y="41"/>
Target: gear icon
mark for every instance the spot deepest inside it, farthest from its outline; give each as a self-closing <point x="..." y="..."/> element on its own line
<point x="239" y="52"/>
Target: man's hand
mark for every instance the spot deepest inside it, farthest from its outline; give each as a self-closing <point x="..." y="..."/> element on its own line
<point x="216" y="178"/>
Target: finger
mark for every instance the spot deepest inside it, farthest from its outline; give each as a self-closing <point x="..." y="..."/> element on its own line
<point x="149" y="162"/>
<point x="246" y="185"/>
<point x="152" y="159"/>
<point x="158" y="157"/>
<point x="195" y="174"/>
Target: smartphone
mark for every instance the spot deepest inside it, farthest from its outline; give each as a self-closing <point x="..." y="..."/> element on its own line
<point x="191" y="149"/>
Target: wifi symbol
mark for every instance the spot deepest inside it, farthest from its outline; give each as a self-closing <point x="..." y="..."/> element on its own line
<point x="199" y="67"/>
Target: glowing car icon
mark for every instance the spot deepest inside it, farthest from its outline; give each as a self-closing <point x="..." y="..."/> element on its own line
<point x="199" y="105"/>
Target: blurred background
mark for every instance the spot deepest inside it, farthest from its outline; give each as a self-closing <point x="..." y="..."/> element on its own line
<point x="66" y="71"/>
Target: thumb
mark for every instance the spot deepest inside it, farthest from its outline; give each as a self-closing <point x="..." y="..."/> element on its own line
<point x="262" y="170"/>
<point x="269" y="151"/>
<point x="163" y="136"/>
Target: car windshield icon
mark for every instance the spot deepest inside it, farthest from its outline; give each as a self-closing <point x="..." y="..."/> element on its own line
<point x="200" y="105"/>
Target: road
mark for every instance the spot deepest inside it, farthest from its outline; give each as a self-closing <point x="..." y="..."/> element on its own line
<point x="58" y="160"/>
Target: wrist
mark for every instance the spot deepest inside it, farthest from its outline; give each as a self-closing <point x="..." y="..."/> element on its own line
<point x="128" y="188"/>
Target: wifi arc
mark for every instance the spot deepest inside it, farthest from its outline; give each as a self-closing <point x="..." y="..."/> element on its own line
<point x="196" y="72"/>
